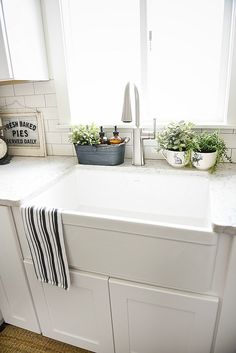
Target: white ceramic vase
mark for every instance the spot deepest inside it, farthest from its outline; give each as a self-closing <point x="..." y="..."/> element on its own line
<point x="176" y="159"/>
<point x="203" y="161"/>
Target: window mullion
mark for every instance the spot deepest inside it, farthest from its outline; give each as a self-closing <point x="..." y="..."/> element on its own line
<point x="231" y="74"/>
<point x="143" y="53"/>
<point x="226" y="57"/>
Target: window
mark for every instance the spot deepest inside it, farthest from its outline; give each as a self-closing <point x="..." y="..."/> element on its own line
<point x="178" y="52"/>
<point x="187" y="66"/>
<point x="103" y="55"/>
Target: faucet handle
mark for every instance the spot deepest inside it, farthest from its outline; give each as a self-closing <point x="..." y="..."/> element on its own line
<point x="154" y="127"/>
<point x="148" y="134"/>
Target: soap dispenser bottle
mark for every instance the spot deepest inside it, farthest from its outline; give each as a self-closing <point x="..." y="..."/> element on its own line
<point x="103" y="138"/>
<point x="115" y="139"/>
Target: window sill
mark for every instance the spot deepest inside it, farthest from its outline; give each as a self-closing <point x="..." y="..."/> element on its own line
<point x="159" y="126"/>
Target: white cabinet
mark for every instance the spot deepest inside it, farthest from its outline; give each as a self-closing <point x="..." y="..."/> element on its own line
<point x="80" y="316"/>
<point x="15" y="298"/>
<point x="22" y="45"/>
<point x="151" y="320"/>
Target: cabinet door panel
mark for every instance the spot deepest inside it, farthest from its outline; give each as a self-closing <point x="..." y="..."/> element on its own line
<point x="22" y="45"/>
<point x="80" y="316"/>
<point x="15" y="298"/>
<point x="151" y="320"/>
<point x="5" y="62"/>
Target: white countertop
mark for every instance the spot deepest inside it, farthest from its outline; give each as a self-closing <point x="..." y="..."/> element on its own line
<point x="222" y="193"/>
<point x="24" y="177"/>
<point x="223" y="200"/>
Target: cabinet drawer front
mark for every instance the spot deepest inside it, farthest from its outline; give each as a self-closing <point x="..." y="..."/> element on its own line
<point x="148" y="319"/>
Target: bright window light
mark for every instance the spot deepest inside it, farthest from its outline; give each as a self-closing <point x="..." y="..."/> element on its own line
<point x="103" y="56"/>
<point x="185" y="60"/>
<point x="176" y="51"/>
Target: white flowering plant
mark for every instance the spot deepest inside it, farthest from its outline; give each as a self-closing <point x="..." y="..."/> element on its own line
<point x="84" y="135"/>
<point x="176" y="136"/>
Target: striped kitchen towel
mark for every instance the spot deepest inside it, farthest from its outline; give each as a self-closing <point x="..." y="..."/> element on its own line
<point x="43" y="228"/>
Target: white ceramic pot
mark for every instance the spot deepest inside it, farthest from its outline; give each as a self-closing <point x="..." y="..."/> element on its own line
<point x="203" y="161"/>
<point x="176" y="159"/>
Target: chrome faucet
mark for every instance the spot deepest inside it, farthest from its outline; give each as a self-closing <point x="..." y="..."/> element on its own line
<point x="138" y="134"/>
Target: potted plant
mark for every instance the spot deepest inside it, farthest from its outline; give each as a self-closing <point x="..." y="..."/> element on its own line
<point x="84" y="135"/>
<point x="89" y="150"/>
<point x="175" y="142"/>
<point x="208" y="150"/>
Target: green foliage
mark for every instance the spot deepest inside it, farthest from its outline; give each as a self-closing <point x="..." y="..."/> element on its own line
<point x="211" y="142"/>
<point x="85" y="135"/>
<point x="176" y="136"/>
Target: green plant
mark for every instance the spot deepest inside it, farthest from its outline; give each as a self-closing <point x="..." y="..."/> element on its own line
<point x="176" y="136"/>
<point x="211" y="142"/>
<point x="85" y="135"/>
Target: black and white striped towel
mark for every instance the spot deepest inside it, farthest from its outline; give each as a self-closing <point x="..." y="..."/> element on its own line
<point x="43" y="227"/>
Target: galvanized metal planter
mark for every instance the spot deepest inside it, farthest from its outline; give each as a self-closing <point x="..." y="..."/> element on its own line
<point x="101" y="154"/>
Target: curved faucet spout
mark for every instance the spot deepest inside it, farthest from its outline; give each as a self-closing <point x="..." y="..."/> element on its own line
<point x="129" y="105"/>
<point x="131" y="102"/>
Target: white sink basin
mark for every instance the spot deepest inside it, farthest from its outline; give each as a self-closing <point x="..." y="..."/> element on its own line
<point x="172" y="198"/>
<point x="137" y="223"/>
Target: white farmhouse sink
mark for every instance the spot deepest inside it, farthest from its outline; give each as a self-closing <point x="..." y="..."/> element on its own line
<point x="126" y="193"/>
<point x="137" y="223"/>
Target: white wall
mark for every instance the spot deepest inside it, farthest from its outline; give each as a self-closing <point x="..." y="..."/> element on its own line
<point x="42" y="95"/>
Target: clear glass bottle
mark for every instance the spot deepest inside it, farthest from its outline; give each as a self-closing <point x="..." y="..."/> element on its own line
<point x="115" y="139"/>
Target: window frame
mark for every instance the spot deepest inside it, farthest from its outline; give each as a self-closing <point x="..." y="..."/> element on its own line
<point x="54" y="14"/>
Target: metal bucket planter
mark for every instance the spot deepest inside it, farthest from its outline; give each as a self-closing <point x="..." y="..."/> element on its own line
<point x="101" y="154"/>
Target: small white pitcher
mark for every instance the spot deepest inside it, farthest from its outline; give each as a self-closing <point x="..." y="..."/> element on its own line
<point x="203" y="161"/>
<point x="177" y="159"/>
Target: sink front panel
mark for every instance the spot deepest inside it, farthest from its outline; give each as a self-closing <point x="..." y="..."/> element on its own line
<point x="163" y="262"/>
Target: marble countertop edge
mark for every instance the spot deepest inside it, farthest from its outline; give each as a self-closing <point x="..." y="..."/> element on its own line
<point x="25" y="177"/>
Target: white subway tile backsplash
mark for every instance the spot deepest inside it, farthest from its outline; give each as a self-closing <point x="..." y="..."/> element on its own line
<point x="62" y="150"/>
<point x="24" y="89"/>
<point x="74" y="152"/>
<point x="52" y="124"/>
<point x="226" y="131"/>
<point x="50" y="112"/>
<point x="150" y="143"/>
<point x="44" y="87"/>
<point x="128" y="151"/>
<point x="53" y="137"/>
<point x="51" y="100"/>
<point x="150" y="152"/>
<point x="230" y="140"/>
<point x="233" y="155"/>
<point x="2" y="101"/>
<point x="6" y="91"/>
<point x="45" y="124"/>
<point x="229" y="154"/>
<point x="65" y="137"/>
<point x="15" y="102"/>
<point x="35" y="101"/>
<point x="42" y="95"/>
<point x="49" y="149"/>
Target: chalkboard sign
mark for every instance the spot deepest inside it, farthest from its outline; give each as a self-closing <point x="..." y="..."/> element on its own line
<point x="24" y="133"/>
